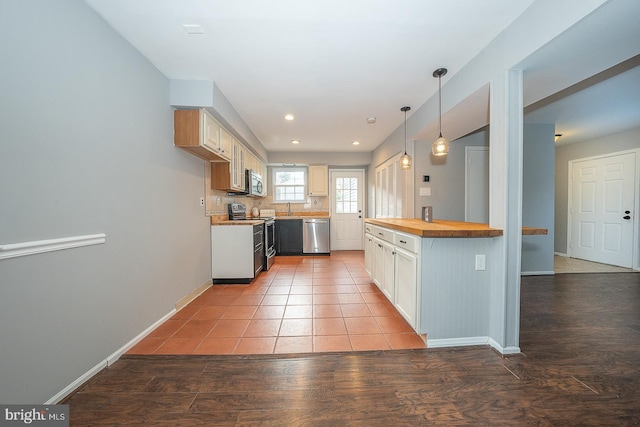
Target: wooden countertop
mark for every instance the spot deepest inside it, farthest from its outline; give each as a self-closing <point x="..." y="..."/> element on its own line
<point x="444" y="228"/>
<point x="237" y="222"/>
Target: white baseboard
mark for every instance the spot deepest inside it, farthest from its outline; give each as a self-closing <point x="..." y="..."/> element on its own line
<point x="192" y="295"/>
<point x="77" y="383"/>
<point x="503" y="350"/>
<point x="122" y="350"/>
<point x="537" y="273"/>
<point x="561" y="254"/>
<point x="471" y="341"/>
<point x="456" y="342"/>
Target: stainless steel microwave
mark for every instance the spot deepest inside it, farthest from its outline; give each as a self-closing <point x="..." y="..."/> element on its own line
<point x="254" y="183"/>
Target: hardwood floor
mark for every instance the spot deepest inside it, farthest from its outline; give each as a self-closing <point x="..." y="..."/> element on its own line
<point x="580" y="337"/>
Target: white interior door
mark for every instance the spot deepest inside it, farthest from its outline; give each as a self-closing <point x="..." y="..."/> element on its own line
<point x="476" y="189"/>
<point x="347" y="197"/>
<point x="602" y="196"/>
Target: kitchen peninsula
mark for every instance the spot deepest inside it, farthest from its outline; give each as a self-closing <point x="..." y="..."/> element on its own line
<point x="437" y="275"/>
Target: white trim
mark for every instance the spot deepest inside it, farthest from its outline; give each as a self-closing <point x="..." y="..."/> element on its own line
<point x="471" y="341"/>
<point x="77" y="383"/>
<point x="40" y="246"/>
<point x="456" y="342"/>
<point x="504" y="350"/>
<point x="192" y="295"/>
<point x="561" y="254"/>
<point x="106" y="362"/>
<point x="537" y="273"/>
<point x="122" y="350"/>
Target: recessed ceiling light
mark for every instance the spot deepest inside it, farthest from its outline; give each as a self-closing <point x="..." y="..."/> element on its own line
<point x="193" y="29"/>
<point x="356" y="142"/>
<point x="289" y="117"/>
<point x="295" y="141"/>
<point x="371" y="120"/>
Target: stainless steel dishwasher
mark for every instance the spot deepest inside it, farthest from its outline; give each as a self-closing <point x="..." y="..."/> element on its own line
<point x="315" y="236"/>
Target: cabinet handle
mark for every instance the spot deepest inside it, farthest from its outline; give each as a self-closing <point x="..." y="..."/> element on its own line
<point x="382" y="234"/>
<point x="402" y="241"/>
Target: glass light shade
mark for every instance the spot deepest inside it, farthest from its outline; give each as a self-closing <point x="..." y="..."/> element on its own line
<point x="405" y="161"/>
<point x="440" y="147"/>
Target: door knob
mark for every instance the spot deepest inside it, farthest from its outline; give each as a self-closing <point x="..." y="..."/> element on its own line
<point x="626" y="217"/>
<point x="627" y="212"/>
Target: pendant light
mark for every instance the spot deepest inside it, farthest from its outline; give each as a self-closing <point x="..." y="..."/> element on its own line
<point x="440" y="147"/>
<point x="405" y="160"/>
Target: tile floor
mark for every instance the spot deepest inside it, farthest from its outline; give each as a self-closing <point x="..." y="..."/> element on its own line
<point x="562" y="264"/>
<point x="301" y="305"/>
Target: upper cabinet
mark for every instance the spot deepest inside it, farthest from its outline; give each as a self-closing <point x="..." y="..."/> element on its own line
<point x="226" y="144"/>
<point x="319" y="180"/>
<point x="229" y="176"/>
<point x="199" y="133"/>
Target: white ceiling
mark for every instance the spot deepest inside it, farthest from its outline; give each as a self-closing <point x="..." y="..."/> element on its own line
<point x="331" y="63"/>
<point x="334" y="63"/>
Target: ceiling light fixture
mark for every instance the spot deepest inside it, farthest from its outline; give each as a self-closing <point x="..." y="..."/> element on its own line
<point x="405" y="160"/>
<point x="289" y="117"/>
<point x="295" y="141"/>
<point x="440" y="147"/>
<point x="356" y="143"/>
<point x="371" y="120"/>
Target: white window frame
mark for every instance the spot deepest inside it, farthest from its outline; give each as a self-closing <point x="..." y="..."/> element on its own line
<point x="275" y="171"/>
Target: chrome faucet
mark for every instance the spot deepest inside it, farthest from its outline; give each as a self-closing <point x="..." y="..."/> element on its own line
<point x="288" y="208"/>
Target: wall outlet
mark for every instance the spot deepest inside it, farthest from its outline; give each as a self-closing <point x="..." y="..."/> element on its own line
<point x="481" y="263"/>
<point x="201" y="201"/>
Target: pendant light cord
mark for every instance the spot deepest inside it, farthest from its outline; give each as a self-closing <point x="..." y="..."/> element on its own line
<point x="440" y="105"/>
<point x="405" y="131"/>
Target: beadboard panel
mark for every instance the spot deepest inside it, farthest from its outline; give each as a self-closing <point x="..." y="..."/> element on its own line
<point x="455" y="297"/>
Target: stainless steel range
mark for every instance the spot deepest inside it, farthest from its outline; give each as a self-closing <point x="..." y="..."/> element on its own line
<point x="238" y="211"/>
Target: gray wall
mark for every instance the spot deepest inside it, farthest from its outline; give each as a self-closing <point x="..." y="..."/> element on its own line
<point x="446" y="176"/>
<point x="565" y="153"/>
<point x="86" y="147"/>
<point x="538" y="181"/>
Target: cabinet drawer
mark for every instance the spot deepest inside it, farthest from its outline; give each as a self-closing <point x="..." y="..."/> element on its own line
<point x="382" y="233"/>
<point x="407" y="241"/>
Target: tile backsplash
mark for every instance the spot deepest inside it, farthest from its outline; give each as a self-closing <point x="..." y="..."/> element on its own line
<point x="216" y="201"/>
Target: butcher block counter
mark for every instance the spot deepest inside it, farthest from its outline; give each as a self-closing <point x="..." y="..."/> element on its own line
<point x="444" y="228"/>
<point x="440" y="275"/>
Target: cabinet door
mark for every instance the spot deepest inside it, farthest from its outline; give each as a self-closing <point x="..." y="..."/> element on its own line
<point x="210" y="132"/>
<point x="406" y="285"/>
<point x="289" y="237"/>
<point x="368" y="253"/>
<point x="237" y="166"/>
<point x="263" y="172"/>
<point x="226" y="144"/>
<point x="377" y="274"/>
<point x="319" y="180"/>
<point x="387" y="282"/>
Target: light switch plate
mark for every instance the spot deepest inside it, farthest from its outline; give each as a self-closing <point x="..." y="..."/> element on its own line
<point x="425" y="191"/>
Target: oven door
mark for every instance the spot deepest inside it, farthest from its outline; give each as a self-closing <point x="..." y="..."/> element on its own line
<point x="269" y="242"/>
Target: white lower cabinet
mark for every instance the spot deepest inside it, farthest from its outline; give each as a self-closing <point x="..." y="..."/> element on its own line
<point x="406" y="285"/>
<point x="368" y="252"/>
<point x="394" y="267"/>
<point x="388" y="285"/>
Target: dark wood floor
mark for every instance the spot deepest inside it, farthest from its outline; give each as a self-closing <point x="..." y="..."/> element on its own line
<point x="580" y="337"/>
